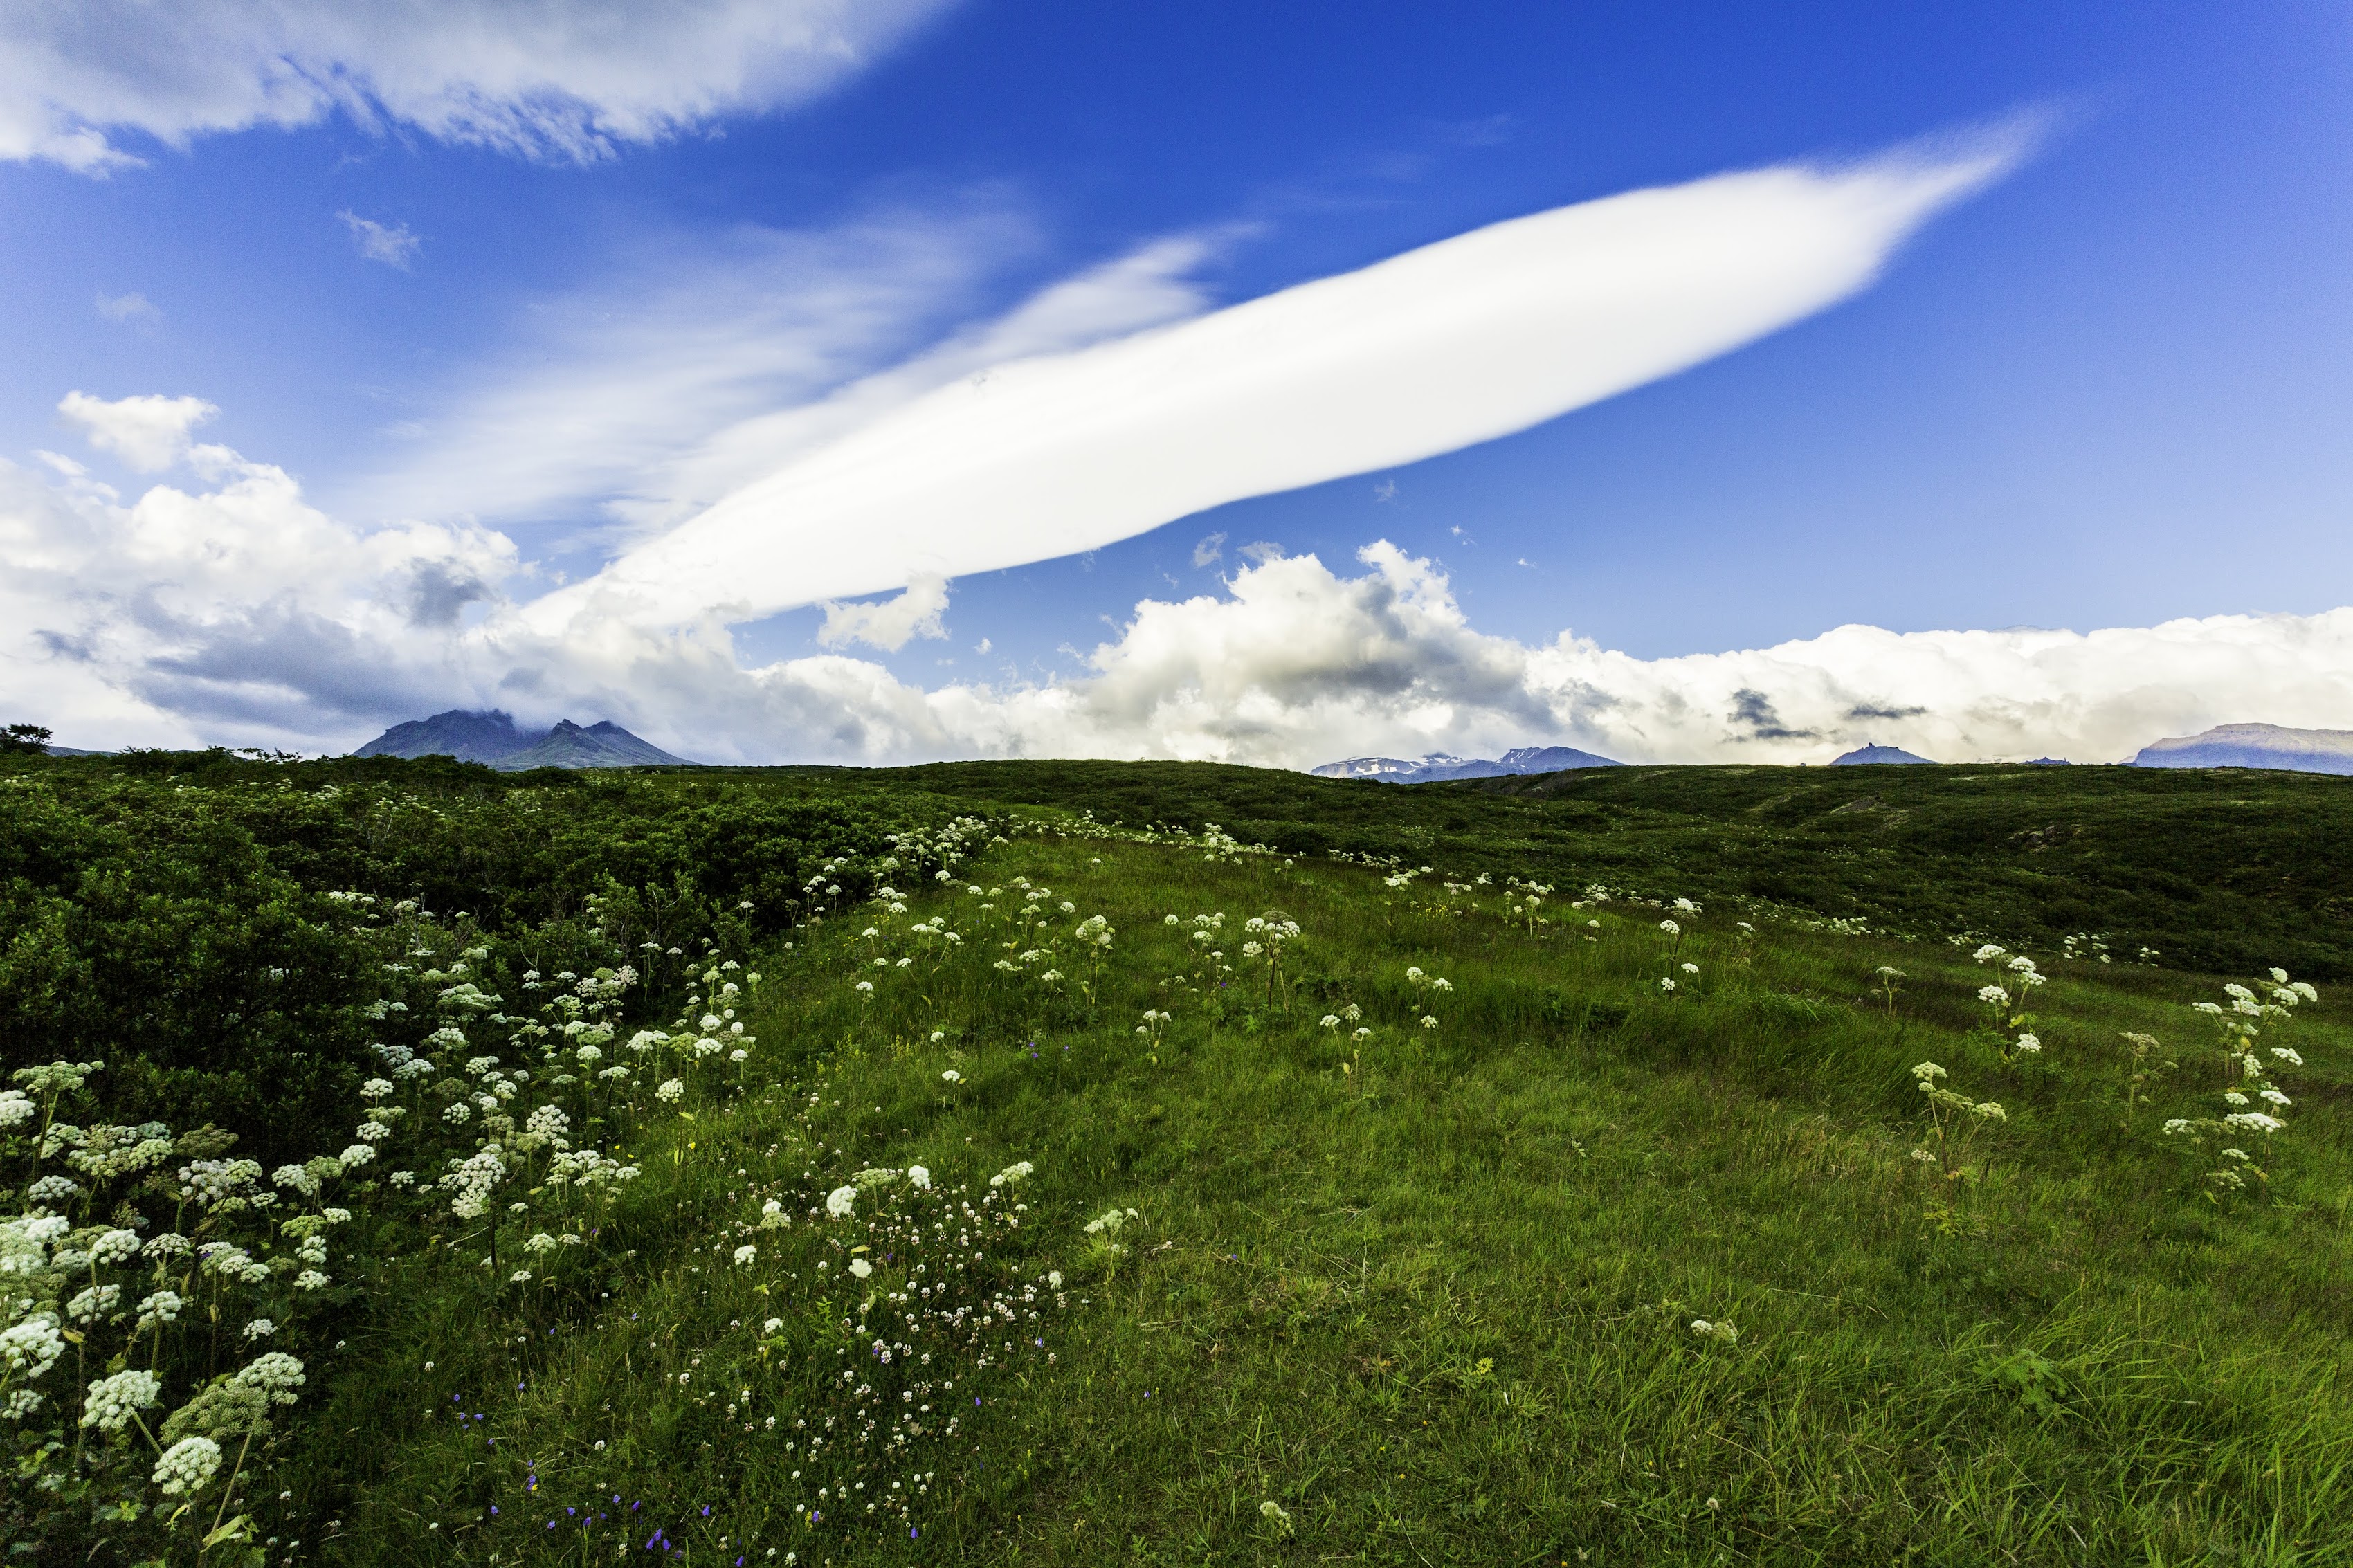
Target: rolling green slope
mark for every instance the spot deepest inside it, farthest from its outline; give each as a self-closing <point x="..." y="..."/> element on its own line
<point x="809" y="1166"/>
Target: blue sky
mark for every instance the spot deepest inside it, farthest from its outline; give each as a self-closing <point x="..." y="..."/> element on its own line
<point x="2107" y="390"/>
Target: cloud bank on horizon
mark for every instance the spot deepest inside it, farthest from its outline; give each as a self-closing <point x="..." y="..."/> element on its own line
<point x="235" y="610"/>
<point x="561" y="83"/>
<point x="1455" y="343"/>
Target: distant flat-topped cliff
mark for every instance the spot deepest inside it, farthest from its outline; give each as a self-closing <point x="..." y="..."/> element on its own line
<point x="2254" y="746"/>
<point x="1865" y="755"/>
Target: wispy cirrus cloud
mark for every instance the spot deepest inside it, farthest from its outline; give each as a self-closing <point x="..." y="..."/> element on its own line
<point x="570" y="82"/>
<point x="1456" y="343"/>
<point x="698" y="366"/>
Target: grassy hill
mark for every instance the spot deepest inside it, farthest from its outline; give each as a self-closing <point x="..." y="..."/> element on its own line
<point x="1551" y="1263"/>
<point x="2216" y="869"/>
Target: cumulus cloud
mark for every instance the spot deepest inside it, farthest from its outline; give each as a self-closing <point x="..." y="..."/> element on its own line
<point x="1455" y="343"/>
<point x="919" y="612"/>
<point x="1296" y="664"/>
<point x="150" y="433"/>
<point x="231" y="609"/>
<point x="234" y="611"/>
<point x="569" y="83"/>
<point x="392" y="244"/>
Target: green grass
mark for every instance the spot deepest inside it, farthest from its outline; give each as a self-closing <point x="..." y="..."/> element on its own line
<point x="2217" y="869"/>
<point x="1435" y="1306"/>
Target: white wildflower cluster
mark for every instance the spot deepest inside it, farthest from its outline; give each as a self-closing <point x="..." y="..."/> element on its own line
<point x="2015" y="977"/>
<point x="104" y="1153"/>
<point x="2252" y="1098"/>
<point x="187" y="1465"/>
<point x="471" y="1181"/>
<point x="930" y="1318"/>
<point x="219" y="1183"/>
<point x="28" y="1349"/>
<point x="110" y="1403"/>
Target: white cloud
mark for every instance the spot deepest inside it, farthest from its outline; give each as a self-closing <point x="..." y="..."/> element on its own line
<point x="149" y="433"/>
<point x="919" y="612"/>
<point x="1209" y="551"/>
<point x="234" y="609"/>
<point x="131" y="307"/>
<point x="551" y="81"/>
<point x="1297" y="664"/>
<point x="695" y="371"/>
<point x="392" y="244"/>
<point x="236" y="612"/>
<point x="1456" y="343"/>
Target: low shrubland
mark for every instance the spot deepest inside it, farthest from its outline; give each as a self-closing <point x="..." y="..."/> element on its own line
<point x="1064" y="1192"/>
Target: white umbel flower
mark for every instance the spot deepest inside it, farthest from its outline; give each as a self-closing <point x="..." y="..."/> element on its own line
<point x="274" y="1372"/>
<point x="187" y="1465"/>
<point x="112" y="1401"/>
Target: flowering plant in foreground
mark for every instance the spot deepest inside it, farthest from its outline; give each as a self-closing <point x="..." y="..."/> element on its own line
<point x="162" y="1300"/>
<point x="2252" y="1102"/>
<point x="1954" y="1122"/>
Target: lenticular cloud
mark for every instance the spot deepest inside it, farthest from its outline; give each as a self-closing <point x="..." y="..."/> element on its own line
<point x="1458" y="342"/>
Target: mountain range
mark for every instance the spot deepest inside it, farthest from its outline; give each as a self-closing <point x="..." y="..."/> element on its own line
<point x="492" y="738"/>
<point x="1440" y="766"/>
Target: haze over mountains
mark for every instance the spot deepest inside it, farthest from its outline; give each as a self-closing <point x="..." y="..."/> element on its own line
<point x="492" y="738"/>
<point x="2272" y="746"/>
<point x="1440" y="766"/>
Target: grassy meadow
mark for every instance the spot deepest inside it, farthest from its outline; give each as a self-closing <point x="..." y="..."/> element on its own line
<point x="992" y="1184"/>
